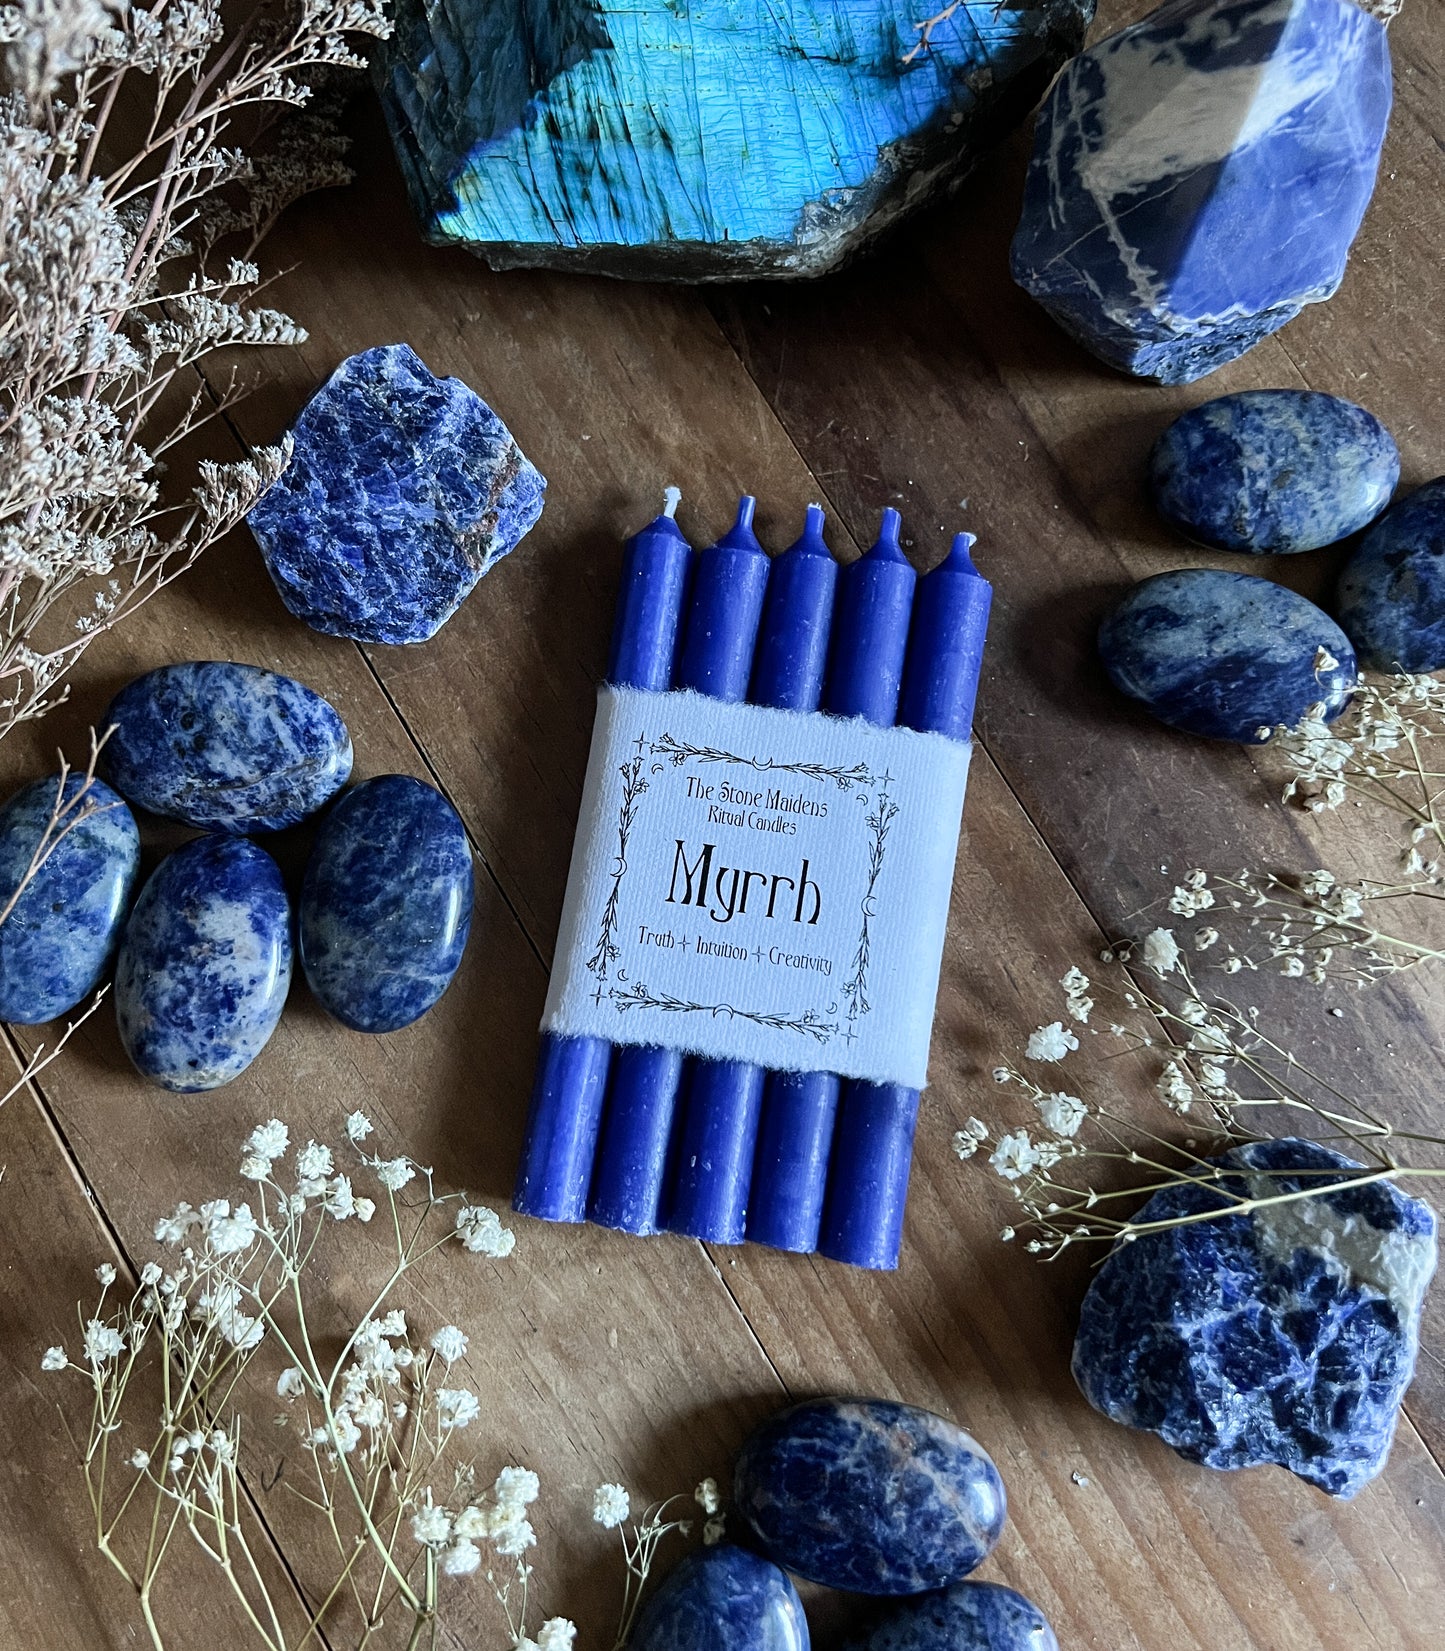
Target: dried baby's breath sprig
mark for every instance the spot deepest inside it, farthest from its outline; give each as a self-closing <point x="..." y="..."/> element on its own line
<point x="612" y="1509"/>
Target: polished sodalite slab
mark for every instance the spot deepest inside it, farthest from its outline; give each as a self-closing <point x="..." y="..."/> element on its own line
<point x="204" y="964"/>
<point x="711" y="140"/>
<point x="402" y="491"/>
<point x="225" y="747"/>
<point x="1273" y="471"/>
<point x="61" y="934"/>
<point x="869" y="1495"/>
<point x="1225" y="655"/>
<point x="1287" y="1335"/>
<point x="970" y="1616"/>
<point x="1391" y="599"/>
<point x="723" y="1599"/>
<point x="386" y="905"/>
<point x="1199" y="176"/>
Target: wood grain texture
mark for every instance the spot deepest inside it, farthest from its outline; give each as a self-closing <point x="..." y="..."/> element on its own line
<point x="923" y="379"/>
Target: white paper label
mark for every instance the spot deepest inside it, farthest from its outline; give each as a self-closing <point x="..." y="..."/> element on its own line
<point x="759" y="885"/>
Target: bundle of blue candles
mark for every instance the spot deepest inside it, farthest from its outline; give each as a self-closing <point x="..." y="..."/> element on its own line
<point x="647" y="1139"/>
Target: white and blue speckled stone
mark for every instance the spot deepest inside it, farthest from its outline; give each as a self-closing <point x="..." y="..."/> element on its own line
<point x="57" y="942"/>
<point x="970" y="1616"/>
<point x="723" y="1599"/>
<point x="1391" y="599"/>
<point x="204" y="965"/>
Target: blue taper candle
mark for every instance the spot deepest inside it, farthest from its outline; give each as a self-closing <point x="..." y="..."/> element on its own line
<point x="873" y="1140"/>
<point x="870" y="630"/>
<point x="717" y="1122"/>
<point x="790" y="1162"/>
<point x="571" y="1079"/>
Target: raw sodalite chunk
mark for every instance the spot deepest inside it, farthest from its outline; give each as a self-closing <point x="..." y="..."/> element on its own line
<point x="1391" y="598"/>
<point x="970" y="1616"/>
<point x="724" y="1599"/>
<point x="701" y="142"/>
<point x="1273" y="471"/>
<point x="1286" y="1335"/>
<point x="1226" y="655"/>
<point x="226" y="747"/>
<point x="204" y="965"/>
<point x="402" y="491"/>
<point x="59" y="939"/>
<point x="1199" y="177"/>
<point x="386" y="904"/>
<point x="869" y="1495"/>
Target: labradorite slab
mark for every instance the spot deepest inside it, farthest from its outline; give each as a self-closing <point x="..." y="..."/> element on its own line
<point x="869" y="1495"/>
<point x="970" y="1616"/>
<point x="230" y="748"/>
<point x="61" y="934"/>
<point x="724" y="1599"/>
<point x="1225" y="655"/>
<point x="701" y="140"/>
<point x="1391" y="599"/>
<point x="204" y="965"/>
<point x="1273" y="472"/>
<point x="386" y="904"/>
<point x="1286" y="1335"/>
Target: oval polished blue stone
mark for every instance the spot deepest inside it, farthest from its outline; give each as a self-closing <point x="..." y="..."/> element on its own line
<point x="226" y="747"/>
<point x="59" y="939"/>
<point x="723" y="1599"/>
<point x="204" y="964"/>
<point x="386" y="904"/>
<point x="1273" y="471"/>
<point x="970" y="1616"/>
<point x="1391" y="598"/>
<point x="869" y="1495"/>
<point x="1226" y="655"/>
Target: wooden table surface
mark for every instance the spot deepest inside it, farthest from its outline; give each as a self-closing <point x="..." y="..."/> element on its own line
<point x="924" y="379"/>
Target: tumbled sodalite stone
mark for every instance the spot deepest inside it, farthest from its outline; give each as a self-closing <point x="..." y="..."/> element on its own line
<point x="204" y="965"/>
<point x="1273" y="471"/>
<point x="386" y="904"/>
<point x="1225" y="655"/>
<point x="970" y="1616"/>
<point x="225" y="747"/>
<point x="723" y="1599"/>
<point x="1198" y="177"/>
<point x="61" y="933"/>
<point x="869" y="1495"/>
<point x="402" y="490"/>
<point x="1284" y="1335"/>
<point x="648" y="138"/>
<point x="1391" y="599"/>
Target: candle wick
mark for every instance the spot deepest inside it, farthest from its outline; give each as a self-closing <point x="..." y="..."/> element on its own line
<point x="672" y="497"/>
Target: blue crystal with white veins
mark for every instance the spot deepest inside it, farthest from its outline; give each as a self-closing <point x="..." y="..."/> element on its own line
<point x="970" y="1616"/>
<point x="1198" y="177"/>
<point x="1286" y="1335"/>
<point x="59" y="938"/>
<point x="386" y="904"/>
<point x="1226" y="655"/>
<point x="869" y="1495"/>
<point x="725" y="1599"/>
<point x="402" y="491"/>
<point x="1273" y="471"/>
<point x="204" y="964"/>
<point x="1391" y="599"/>
<point x="225" y="747"/>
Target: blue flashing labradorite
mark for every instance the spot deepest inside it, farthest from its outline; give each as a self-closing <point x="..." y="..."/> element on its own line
<point x="1225" y="655"/>
<point x="204" y="964"/>
<point x="970" y="1616"/>
<point x="1273" y="471"/>
<point x="58" y="940"/>
<point x="1198" y="177"/>
<point x="1286" y="1335"/>
<point x="869" y="1495"/>
<point x="648" y="138"/>
<point x="402" y="490"/>
<point x="724" y="1599"/>
<point x="225" y="747"/>
<point x="386" y="905"/>
<point x="1391" y="599"/>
